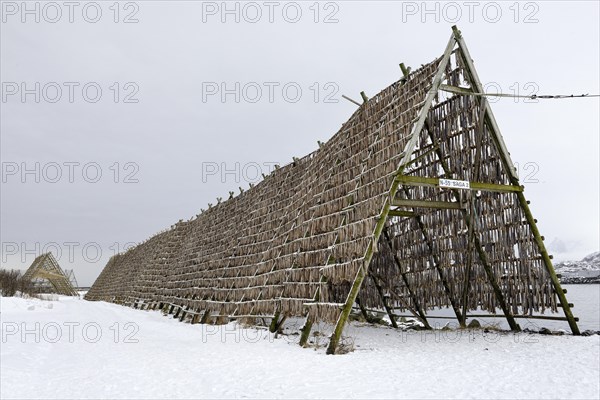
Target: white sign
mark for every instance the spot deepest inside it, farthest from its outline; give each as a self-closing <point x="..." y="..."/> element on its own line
<point x="454" y="184"/>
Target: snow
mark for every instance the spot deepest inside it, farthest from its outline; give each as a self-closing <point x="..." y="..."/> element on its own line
<point x="154" y="356"/>
<point x="588" y="266"/>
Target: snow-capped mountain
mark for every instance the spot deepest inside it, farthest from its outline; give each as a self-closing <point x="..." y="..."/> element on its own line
<point x="587" y="270"/>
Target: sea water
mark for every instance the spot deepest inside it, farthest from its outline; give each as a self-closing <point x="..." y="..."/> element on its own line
<point x="586" y="306"/>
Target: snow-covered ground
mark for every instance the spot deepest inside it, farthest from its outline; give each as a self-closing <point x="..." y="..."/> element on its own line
<point x="71" y="349"/>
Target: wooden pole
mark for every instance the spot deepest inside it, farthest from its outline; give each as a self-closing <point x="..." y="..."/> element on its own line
<point x="405" y="71"/>
<point x="274" y="322"/>
<point x="205" y="317"/>
<point x="388" y="241"/>
<point x="491" y="316"/>
<point x="387" y="308"/>
<point x="195" y="318"/>
<point x="467" y="281"/>
<point x="305" y="331"/>
<point x="364" y="97"/>
<point x="308" y="323"/>
<point x="560" y="292"/>
<point x="362" y="309"/>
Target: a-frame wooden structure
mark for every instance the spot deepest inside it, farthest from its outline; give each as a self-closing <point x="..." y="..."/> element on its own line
<point x="396" y="204"/>
<point x="413" y="204"/>
<point x="45" y="268"/>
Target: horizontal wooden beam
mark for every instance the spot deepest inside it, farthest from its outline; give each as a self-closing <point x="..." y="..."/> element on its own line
<point x="456" y="89"/>
<point x="456" y="184"/>
<point x="402" y="213"/>
<point x="48" y="275"/>
<point x="521" y="316"/>
<point x="426" y="204"/>
<point x="488" y="316"/>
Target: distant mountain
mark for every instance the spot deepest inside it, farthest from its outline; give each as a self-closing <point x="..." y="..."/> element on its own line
<point x="585" y="271"/>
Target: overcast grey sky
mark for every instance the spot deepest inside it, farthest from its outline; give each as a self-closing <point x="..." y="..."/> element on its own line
<point x="194" y="104"/>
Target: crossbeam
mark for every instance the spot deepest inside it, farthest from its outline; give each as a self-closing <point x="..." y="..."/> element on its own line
<point x="402" y="213"/>
<point x="447" y="205"/>
<point x="551" y="318"/>
<point x="455" y="184"/>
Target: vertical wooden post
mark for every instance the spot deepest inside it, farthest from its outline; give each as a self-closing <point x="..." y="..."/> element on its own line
<point x="205" y="317"/>
<point x="308" y="323"/>
<point x="404" y="70"/>
<point x="274" y="322"/>
<point x="364" y="97"/>
<point x="280" y="324"/>
<point x="183" y="314"/>
<point x="305" y="331"/>
<point x="469" y="266"/>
